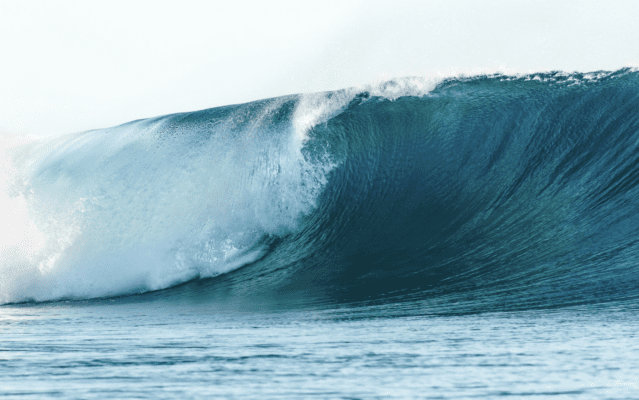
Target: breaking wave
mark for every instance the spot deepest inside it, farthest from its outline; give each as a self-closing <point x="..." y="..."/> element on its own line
<point x="478" y="193"/>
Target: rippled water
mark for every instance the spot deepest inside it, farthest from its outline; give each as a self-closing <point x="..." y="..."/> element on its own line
<point x="161" y="350"/>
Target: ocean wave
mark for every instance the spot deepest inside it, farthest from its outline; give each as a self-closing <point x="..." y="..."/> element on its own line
<point x="495" y="192"/>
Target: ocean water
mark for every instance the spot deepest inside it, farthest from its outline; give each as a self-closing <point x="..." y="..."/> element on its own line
<point x="474" y="237"/>
<point x="161" y="350"/>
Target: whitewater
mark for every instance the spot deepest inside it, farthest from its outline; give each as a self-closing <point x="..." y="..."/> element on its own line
<point x="398" y="235"/>
<point x="156" y="202"/>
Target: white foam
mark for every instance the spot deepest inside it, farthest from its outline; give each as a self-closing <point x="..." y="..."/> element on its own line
<point x="157" y="202"/>
<point x="144" y="206"/>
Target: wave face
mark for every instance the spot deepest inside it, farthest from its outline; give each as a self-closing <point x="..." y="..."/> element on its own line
<point x="482" y="193"/>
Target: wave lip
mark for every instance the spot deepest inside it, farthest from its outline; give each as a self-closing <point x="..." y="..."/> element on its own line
<point x="476" y="193"/>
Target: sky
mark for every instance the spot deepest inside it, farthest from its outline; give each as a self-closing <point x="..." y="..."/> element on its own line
<point x="70" y="66"/>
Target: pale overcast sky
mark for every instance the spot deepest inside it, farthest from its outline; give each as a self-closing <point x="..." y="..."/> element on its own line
<point x="68" y="66"/>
